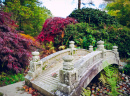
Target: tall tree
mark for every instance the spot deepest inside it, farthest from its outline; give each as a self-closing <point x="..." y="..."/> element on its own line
<point x="29" y="15"/>
<point x="120" y="9"/>
<point x="79" y="4"/>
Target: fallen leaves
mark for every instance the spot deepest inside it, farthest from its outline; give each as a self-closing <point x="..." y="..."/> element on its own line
<point x="54" y="75"/>
<point x="31" y="91"/>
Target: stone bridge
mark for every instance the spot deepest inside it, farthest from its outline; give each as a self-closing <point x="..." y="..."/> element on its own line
<point x="67" y="71"/>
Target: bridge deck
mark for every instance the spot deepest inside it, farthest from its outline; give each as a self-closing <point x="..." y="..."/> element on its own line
<point x="47" y="81"/>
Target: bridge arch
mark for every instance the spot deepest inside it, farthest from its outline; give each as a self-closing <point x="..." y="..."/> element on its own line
<point x="72" y="75"/>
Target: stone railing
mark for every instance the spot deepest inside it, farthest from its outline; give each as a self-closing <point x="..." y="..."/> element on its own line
<point x="78" y="74"/>
<point x="36" y="64"/>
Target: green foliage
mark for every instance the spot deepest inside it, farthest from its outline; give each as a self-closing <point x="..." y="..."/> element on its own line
<point x="10" y="78"/>
<point x="111" y="78"/>
<point x="85" y="34"/>
<point x="126" y="68"/>
<point x="120" y="36"/>
<point x="120" y="9"/>
<point x="86" y="92"/>
<point x="93" y="16"/>
<point x="1" y="94"/>
<point x="29" y="15"/>
<point x="100" y="26"/>
<point x="80" y="33"/>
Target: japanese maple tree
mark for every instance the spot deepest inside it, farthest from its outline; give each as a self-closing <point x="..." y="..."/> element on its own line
<point x="54" y="26"/>
<point x="14" y="49"/>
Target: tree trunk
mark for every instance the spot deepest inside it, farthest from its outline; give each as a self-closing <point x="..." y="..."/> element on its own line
<point x="79" y="4"/>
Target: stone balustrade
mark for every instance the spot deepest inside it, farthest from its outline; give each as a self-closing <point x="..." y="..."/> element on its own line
<point x="35" y="66"/>
<point x="68" y="76"/>
<point x="72" y="75"/>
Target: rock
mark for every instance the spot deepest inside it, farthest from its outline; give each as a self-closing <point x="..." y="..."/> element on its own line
<point x="123" y="75"/>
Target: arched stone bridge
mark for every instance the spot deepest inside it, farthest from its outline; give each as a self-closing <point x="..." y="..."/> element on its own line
<point x="67" y="71"/>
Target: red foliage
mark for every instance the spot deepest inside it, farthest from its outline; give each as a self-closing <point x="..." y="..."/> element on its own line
<point x="54" y="26"/>
<point x="14" y="49"/>
<point x="6" y="24"/>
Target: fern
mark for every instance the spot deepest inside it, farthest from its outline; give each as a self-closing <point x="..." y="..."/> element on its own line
<point x="111" y="79"/>
<point x="86" y="92"/>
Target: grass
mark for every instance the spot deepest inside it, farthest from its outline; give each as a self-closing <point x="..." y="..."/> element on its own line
<point x="10" y="78"/>
<point x="1" y="94"/>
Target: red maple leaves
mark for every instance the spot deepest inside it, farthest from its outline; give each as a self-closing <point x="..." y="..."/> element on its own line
<point x="54" y="26"/>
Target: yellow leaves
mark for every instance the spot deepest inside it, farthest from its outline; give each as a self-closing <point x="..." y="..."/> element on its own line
<point x="34" y="42"/>
<point x="62" y="35"/>
<point x="113" y="12"/>
<point x="126" y="3"/>
<point x="62" y="47"/>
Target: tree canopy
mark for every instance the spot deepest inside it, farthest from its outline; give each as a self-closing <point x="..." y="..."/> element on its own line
<point x="29" y="14"/>
<point x="120" y="9"/>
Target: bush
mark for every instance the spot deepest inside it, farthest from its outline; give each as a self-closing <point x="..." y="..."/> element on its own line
<point x="14" y="49"/>
<point x="84" y="35"/>
<point x="54" y="26"/>
<point x="80" y="33"/>
<point x="33" y="42"/>
<point x="126" y="68"/>
<point x="93" y="16"/>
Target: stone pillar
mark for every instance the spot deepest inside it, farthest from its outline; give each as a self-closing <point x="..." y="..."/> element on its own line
<point x="115" y="50"/>
<point x="100" y="45"/>
<point x="71" y="44"/>
<point x="90" y="48"/>
<point x="72" y="48"/>
<point x="33" y="70"/>
<point x="68" y="76"/>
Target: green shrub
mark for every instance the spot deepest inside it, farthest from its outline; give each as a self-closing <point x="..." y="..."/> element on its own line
<point x="80" y="33"/>
<point x="93" y="16"/>
<point x="126" y="68"/>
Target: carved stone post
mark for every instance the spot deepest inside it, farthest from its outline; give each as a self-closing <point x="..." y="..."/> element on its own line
<point x="72" y="47"/>
<point x="33" y="71"/>
<point x="100" y="45"/>
<point x="90" y="48"/>
<point x="115" y="49"/>
<point x="68" y="76"/>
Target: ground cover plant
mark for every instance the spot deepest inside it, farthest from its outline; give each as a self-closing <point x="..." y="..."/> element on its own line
<point x="112" y="78"/>
<point x="10" y="78"/>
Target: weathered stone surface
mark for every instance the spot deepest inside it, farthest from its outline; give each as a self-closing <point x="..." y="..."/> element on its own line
<point x="70" y="74"/>
<point x="90" y="48"/>
<point x="45" y="82"/>
<point x="100" y="45"/>
<point x="35" y="67"/>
